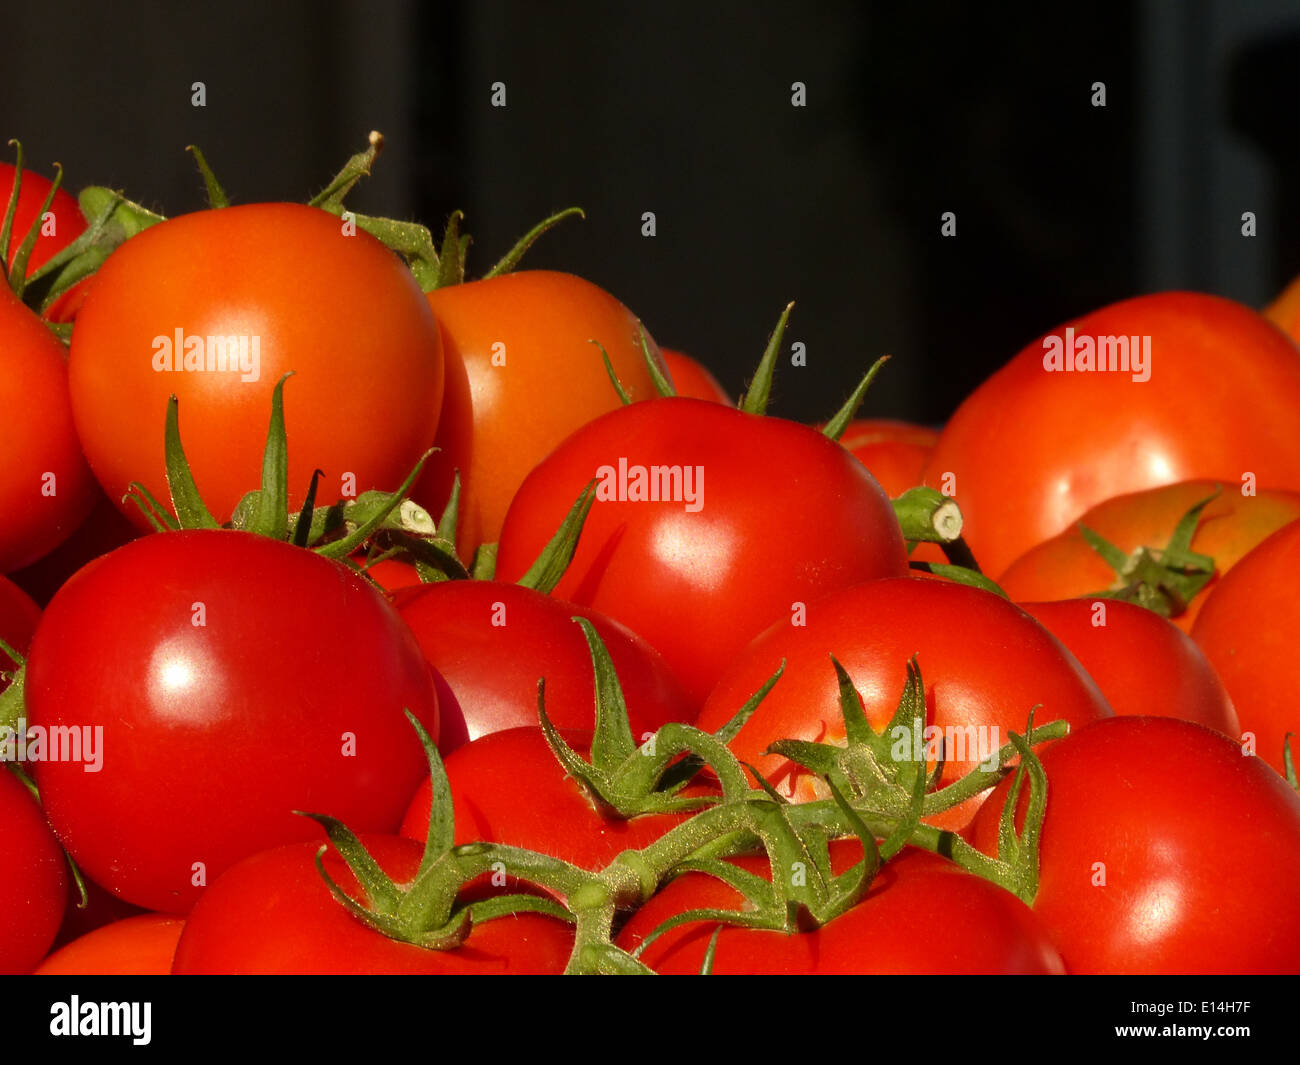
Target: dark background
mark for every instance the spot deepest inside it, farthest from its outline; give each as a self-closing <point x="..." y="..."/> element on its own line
<point x="913" y="109"/>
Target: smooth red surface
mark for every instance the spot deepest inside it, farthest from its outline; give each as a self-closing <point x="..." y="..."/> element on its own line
<point x="33" y="879"/>
<point x="137" y="946"/>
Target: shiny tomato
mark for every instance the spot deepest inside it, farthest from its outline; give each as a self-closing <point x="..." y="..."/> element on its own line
<point x="1066" y="566"/>
<point x="293" y="292"/>
<point x="492" y="642"/>
<point x="895" y="452"/>
<point x="923" y="915"/>
<point x="692" y="378"/>
<point x="137" y="946"/>
<point x="1248" y="630"/>
<point x="984" y="662"/>
<point x="273" y="914"/>
<point x="750" y="516"/>
<point x="224" y="680"/>
<point x="33" y="879"/>
<point x="522" y="374"/>
<point x="1032" y="448"/>
<point x="1142" y="664"/>
<point x="1164" y="850"/>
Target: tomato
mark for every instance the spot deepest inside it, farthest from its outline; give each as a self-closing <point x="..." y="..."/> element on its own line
<point x="692" y="378"/>
<point x="759" y="514"/>
<point x="1164" y="850"/>
<point x="508" y="787"/>
<point x="287" y="284"/>
<point x="1066" y="566"/>
<point x="45" y="485"/>
<point x="58" y="228"/>
<point x="1142" y="664"/>
<point x="18" y="618"/>
<point x="1248" y="630"/>
<point x="1031" y="449"/>
<point x="33" y="879"/>
<point x="522" y="375"/>
<point x="894" y="452"/>
<point x="273" y="914"/>
<point x="137" y="946"/>
<point x="923" y="915"/>
<point x="985" y="664"/>
<point x="492" y="642"/>
<point x="236" y="679"/>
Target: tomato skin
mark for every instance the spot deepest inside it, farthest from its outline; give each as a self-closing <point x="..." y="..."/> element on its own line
<point x="1248" y="629"/>
<point x="1143" y="665"/>
<point x="691" y="378"/>
<point x="984" y="662"/>
<point x="499" y="421"/>
<point x="214" y="733"/>
<point x="923" y="915"/>
<point x="341" y="312"/>
<point x="895" y="452"/>
<point x="1066" y="567"/>
<point x="40" y="441"/>
<point x="785" y="515"/>
<point x="67" y="221"/>
<point x="1200" y="846"/>
<point x="272" y="914"/>
<point x="137" y="946"/>
<point x="1031" y="450"/>
<point x="19" y="616"/>
<point x="491" y="642"/>
<point x="33" y="879"/>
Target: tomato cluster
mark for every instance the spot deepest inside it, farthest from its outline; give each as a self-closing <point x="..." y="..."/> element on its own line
<point x="497" y="652"/>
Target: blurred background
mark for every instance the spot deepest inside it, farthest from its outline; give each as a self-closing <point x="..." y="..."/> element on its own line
<point x="685" y="110"/>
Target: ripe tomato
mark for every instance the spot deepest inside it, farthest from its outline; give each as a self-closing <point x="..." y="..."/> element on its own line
<point x="1248" y="630"/>
<point x="18" y="618"/>
<point x="492" y="642"/>
<point x="923" y="915"/>
<point x="282" y="280"/>
<point x="760" y="514"/>
<point x="895" y="452"/>
<point x="521" y="376"/>
<point x="1164" y="850"/>
<point x="33" y="879"/>
<point x="273" y="914"/>
<point x="1066" y="566"/>
<point x="984" y="662"/>
<point x="692" y="378"/>
<point x="45" y="485"/>
<point x="1142" y="664"/>
<point x="1031" y="449"/>
<point x="137" y="946"/>
<point x="236" y="679"/>
<point x="60" y="228"/>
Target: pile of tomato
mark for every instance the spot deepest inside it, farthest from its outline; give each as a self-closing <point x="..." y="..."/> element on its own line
<point x="357" y="617"/>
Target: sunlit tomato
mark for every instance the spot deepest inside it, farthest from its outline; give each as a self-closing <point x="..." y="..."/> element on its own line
<point x="137" y="946"/>
<point x="1141" y="663"/>
<point x="708" y="524"/>
<point x="984" y="662"/>
<point x="287" y="289"/>
<point x="1164" y="850"/>
<point x="1249" y="629"/>
<point x="522" y="374"/>
<point x="1032" y="448"/>
<point x="692" y="378"/>
<point x="33" y="879"/>
<point x="894" y="452"/>
<point x="273" y="914"/>
<point x="923" y="915"/>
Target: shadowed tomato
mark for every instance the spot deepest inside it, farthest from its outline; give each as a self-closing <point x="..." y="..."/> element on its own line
<point x="138" y="946"/>
<point x="33" y="879"/>
<point x="18" y="618"/>
<point x="692" y="378"/>
<point x="1164" y="850"/>
<point x="105" y="529"/>
<point x="894" y="452"/>
<point x="985" y="664"/>
<point x="708" y="524"/>
<point x="1033" y="448"/>
<point x="59" y="227"/>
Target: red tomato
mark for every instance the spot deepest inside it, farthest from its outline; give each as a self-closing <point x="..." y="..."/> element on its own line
<point x="45" y="486"/>
<point x="762" y="514"/>
<point x="985" y="664"/>
<point x="894" y="452"/>
<point x="137" y="946"/>
<point x="1066" y="566"/>
<point x="1164" y="850"/>
<point x="18" y="618"/>
<point x="923" y="915"/>
<point x="1031" y="449"/>
<point x="273" y="914"/>
<point x="236" y="679"/>
<point x="1142" y="664"/>
<point x="33" y="879"/>
<point x="692" y="378"/>
<point x="492" y="642"/>
<point x="341" y="312"/>
<point x="58" y="228"/>
<point x="522" y="374"/>
<point x="1248" y="630"/>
